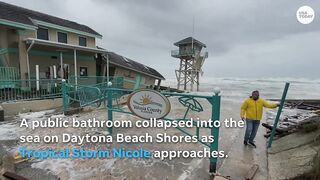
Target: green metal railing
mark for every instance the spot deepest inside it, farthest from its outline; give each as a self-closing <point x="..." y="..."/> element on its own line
<point x="109" y="93"/>
<point x="87" y="95"/>
<point x="275" y="124"/>
<point x="117" y="81"/>
<point x="14" y="90"/>
<point x="8" y="74"/>
<point x="94" y="94"/>
<point x="94" y="80"/>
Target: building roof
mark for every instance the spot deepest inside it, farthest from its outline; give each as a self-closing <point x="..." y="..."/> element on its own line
<point x="127" y="63"/>
<point x="25" y="16"/>
<point x="188" y="40"/>
<point x="59" y="45"/>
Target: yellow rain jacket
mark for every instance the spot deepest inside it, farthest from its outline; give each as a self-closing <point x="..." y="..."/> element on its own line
<point x="253" y="110"/>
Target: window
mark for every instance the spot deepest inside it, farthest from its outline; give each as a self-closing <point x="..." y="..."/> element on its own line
<point x="83" y="71"/>
<point x="42" y="33"/>
<point x="82" y="41"/>
<point x="62" y="37"/>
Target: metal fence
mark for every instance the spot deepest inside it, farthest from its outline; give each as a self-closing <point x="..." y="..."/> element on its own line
<point x="88" y="94"/>
<point x="14" y="90"/>
<point x="117" y="81"/>
<point x="8" y="73"/>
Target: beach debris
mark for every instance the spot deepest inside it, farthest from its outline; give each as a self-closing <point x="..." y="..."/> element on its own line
<point x="300" y="114"/>
<point x="304" y="104"/>
<point x="305" y="125"/>
<point x="19" y="159"/>
<point x="219" y="177"/>
<point x="6" y="163"/>
<point x="252" y="172"/>
<point x="279" y="131"/>
<point x="13" y="176"/>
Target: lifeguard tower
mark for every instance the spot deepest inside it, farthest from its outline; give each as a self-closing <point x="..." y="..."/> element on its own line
<point x="191" y="61"/>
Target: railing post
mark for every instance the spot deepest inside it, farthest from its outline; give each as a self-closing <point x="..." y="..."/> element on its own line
<point x="215" y="116"/>
<point x="137" y="82"/>
<point x="275" y="124"/>
<point x="37" y="78"/>
<point x="64" y="96"/>
<point x="109" y="105"/>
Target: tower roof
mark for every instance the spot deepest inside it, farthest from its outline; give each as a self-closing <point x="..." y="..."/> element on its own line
<point x="189" y="40"/>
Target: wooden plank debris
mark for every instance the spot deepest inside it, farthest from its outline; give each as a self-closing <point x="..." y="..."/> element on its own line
<point x="19" y="159"/>
<point x="13" y="176"/>
<point x="220" y="177"/>
<point x="252" y="172"/>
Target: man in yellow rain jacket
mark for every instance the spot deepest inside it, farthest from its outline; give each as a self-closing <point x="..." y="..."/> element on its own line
<point x="251" y="111"/>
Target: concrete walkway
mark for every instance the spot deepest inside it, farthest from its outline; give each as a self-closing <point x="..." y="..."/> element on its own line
<point x="241" y="158"/>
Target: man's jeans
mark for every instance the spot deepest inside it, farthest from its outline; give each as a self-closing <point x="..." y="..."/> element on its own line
<point x="251" y="130"/>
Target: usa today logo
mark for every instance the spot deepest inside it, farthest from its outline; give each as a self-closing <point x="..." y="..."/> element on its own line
<point x="305" y="14"/>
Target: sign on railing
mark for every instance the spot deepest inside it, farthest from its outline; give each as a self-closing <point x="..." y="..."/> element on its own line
<point x="148" y="104"/>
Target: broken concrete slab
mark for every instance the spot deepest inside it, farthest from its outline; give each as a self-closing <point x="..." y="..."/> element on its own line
<point x="292" y="155"/>
<point x="292" y="141"/>
<point x="291" y="163"/>
<point x="6" y="161"/>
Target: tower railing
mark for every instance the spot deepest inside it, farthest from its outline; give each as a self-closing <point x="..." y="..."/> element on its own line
<point x="177" y="53"/>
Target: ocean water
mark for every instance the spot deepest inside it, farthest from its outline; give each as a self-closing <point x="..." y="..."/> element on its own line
<point x="270" y="88"/>
<point x="235" y="90"/>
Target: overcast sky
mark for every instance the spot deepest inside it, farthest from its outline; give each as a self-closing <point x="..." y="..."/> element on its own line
<point x="244" y="38"/>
